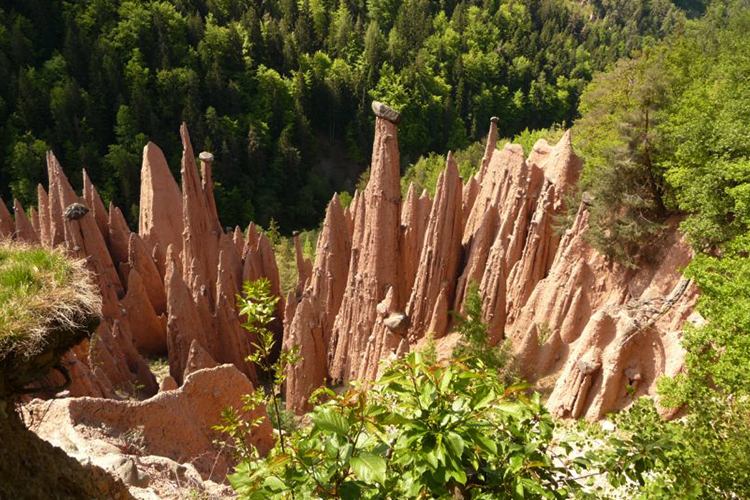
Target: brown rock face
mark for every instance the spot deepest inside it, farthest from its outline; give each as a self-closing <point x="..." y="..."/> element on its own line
<point x="414" y="219"/>
<point x="160" y="219"/>
<point x="24" y="229"/>
<point x="44" y="220"/>
<point x="440" y="256"/>
<point x="489" y="149"/>
<point x="200" y="236"/>
<point x="94" y="201"/>
<point x="140" y="260"/>
<point x="597" y="328"/>
<point x="7" y="224"/>
<point x="198" y="359"/>
<point x="187" y="414"/>
<point x="149" y="336"/>
<point x="234" y="342"/>
<point x="118" y="235"/>
<point x="184" y="322"/>
<point x="311" y="325"/>
<point x="372" y="267"/>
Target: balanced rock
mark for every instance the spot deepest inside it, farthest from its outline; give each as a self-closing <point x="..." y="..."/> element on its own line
<point x="75" y="211"/>
<point x="384" y="111"/>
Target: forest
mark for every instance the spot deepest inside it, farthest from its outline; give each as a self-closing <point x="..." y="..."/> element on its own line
<point x="279" y="90"/>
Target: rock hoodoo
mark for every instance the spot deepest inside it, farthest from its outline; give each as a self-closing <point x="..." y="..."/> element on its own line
<point x="592" y="332"/>
<point x="386" y="274"/>
<point x="172" y="283"/>
<point x="373" y="265"/>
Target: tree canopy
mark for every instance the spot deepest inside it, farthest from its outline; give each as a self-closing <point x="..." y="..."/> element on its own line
<point x="279" y="90"/>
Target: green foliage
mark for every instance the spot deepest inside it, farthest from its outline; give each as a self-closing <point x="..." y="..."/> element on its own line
<point x="424" y="174"/>
<point x="41" y="290"/>
<point x="277" y="90"/>
<point x="701" y="456"/>
<point x="709" y="163"/>
<point x="423" y="431"/>
<point x="618" y="135"/>
<point x="258" y="306"/>
<point x="475" y="347"/>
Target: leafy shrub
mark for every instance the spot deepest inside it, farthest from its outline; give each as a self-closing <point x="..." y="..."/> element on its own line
<point x="474" y="345"/>
<point x="421" y="431"/>
<point x="258" y="305"/>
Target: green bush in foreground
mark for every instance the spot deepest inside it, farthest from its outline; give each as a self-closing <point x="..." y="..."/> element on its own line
<point x="439" y="431"/>
<point x="420" y="432"/>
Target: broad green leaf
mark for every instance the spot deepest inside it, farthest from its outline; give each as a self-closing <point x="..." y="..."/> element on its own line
<point x="369" y="468"/>
<point x="274" y="483"/>
<point x="512" y="408"/>
<point x="331" y="421"/>
<point x="516" y="462"/>
<point x="455" y="443"/>
<point x="484" y="442"/>
<point x="445" y="381"/>
<point x="483" y="399"/>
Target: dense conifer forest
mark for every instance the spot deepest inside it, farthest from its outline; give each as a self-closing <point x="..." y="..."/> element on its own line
<point x="279" y="90"/>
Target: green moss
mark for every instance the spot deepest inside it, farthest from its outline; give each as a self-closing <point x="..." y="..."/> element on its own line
<point x="38" y="288"/>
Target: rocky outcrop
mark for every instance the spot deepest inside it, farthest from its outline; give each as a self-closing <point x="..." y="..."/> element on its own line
<point x="34" y="468"/>
<point x="607" y="332"/>
<point x="385" y="275"/>
<point x="170" y="284"/>
<point x="590" y="332"/>
<point x="435" y="282"/>
<point x="175" y="424"/>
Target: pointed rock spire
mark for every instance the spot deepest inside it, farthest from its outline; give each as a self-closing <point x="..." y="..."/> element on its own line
<point x="24" y="229"/>
<point x="118" y="235"/>
<point x="310" y="327"/>
<point x="489" y="148"/>
<point x="440" y="255"/>
<point x="44" y="219"/>
<point x="160" y="216"/>
<point x="56" y="202"/>
<point x="200" y="236"/>
<point x="7" y="224"/>
<point x="93" y="201"/>
<point x="372" y="269"/>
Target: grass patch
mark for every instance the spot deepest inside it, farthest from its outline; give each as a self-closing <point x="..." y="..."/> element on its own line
<point x="40" y="290"/>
